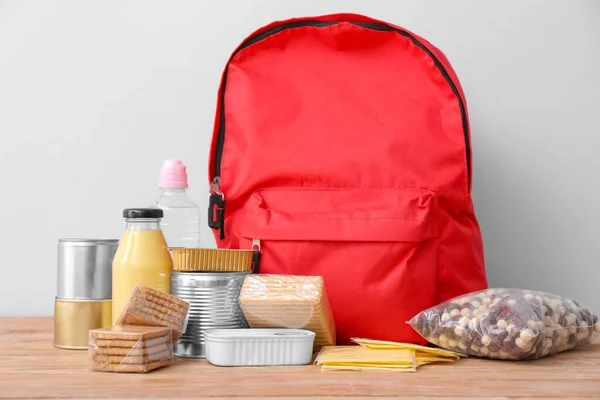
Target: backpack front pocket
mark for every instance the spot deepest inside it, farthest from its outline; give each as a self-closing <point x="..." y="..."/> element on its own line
<point x="376" y="249"/>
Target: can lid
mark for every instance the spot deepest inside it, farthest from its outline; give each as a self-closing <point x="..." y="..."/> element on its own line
<point x="142" y="213"/>
<point x="87" y="241"/>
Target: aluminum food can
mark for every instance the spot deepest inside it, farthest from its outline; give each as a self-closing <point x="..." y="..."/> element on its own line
<point x="85" y="269"/>
<point x="73" y="319"/>
<point x="83" y="290"/>
<point x="214" y="304"/>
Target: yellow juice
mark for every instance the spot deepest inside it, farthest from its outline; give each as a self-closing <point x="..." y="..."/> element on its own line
<point x="142" y="258"/>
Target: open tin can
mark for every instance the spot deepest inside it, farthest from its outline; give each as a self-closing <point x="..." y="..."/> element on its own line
<point x="214" y="303"/>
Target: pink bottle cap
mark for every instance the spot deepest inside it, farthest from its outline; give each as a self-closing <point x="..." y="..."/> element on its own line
<point x="173" y="175"/>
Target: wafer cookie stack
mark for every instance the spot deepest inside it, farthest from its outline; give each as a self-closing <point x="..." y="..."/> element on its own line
<point x="287" y="301"/>
<point x="130" y="348"/>
<point x="150" y="307"/>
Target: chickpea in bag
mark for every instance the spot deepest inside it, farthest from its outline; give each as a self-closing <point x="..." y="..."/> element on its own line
<point x="508" y="324"/>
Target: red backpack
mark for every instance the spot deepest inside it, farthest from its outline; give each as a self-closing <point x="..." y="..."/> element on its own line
<point x="341" y="148"/>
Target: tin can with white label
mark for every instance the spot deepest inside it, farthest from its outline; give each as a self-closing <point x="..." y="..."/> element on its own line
<point x="83" y="291"/>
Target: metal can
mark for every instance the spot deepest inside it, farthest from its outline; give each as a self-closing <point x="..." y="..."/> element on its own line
<point x="83" y="291"/>
<point x="214" y="304"/>
<point x="85" y="269"/>
<point x="73" y="320"/>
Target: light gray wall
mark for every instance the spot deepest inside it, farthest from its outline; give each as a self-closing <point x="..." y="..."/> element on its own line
<point x="94" y="94"/>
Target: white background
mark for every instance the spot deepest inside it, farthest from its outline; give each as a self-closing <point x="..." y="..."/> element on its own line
<point x="94" y="94"/>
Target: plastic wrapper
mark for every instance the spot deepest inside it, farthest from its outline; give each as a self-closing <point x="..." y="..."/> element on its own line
<point x="509" y="324"/>
<point x="288" y="301"/>
<point x="150" y="307"/>
<point x="130" y="348"/>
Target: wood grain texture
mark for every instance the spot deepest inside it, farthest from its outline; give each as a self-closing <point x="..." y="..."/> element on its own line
<point x="30" y="367"/>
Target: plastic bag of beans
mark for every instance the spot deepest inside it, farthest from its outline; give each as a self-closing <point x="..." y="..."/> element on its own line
<point x="509" y="324"/>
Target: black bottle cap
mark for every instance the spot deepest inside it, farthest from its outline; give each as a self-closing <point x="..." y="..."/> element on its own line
<point x="142" y="213"/>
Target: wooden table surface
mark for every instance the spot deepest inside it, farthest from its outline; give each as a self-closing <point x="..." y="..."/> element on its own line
<point x="30" y="367"/>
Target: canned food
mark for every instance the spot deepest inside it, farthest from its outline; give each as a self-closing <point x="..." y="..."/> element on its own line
<point x="73" y="320"/>
<point x="85" y="269"/>
<point x="214" y="303"/>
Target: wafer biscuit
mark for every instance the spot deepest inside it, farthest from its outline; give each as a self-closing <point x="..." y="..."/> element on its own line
<point x="130" y="348"/>
<point x="198" y="260"/>
<point x="119" y="367"/>
<point x="129" y="332"/>
<point x="131" y="359"/>
<point x="146" y="344"/>
<point x="150" y="307"/>
<point x="133" y="350"/>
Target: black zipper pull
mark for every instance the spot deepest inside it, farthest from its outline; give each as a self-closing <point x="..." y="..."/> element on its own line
<point x="216" y="209"/>
<point x="256" y="256"/>
<point x="256" y="262"/>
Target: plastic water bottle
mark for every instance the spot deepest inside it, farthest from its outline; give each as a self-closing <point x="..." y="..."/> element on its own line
<point x="181" y="216"/>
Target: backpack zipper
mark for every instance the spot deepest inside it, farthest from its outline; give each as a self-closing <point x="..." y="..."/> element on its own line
<point x="217" y="199"/>
<point x="248" y="42"/>
<point x="216" y="207"/>
<point x="256" y="256"/>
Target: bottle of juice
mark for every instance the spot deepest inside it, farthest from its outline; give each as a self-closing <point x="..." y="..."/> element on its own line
<point x="142" y="257"/>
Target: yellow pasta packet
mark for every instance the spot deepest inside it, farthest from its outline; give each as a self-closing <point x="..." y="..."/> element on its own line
<point x="377" y="355"/>
<point x="374" y="365"/>
<point x="362" y="355"/>
<point x="422" y="360"/>
<point x="383" y="367"/>
<point x="420" y="350"/>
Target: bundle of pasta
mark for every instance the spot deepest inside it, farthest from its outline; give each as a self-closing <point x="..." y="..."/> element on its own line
<point x="288" y="301"/>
